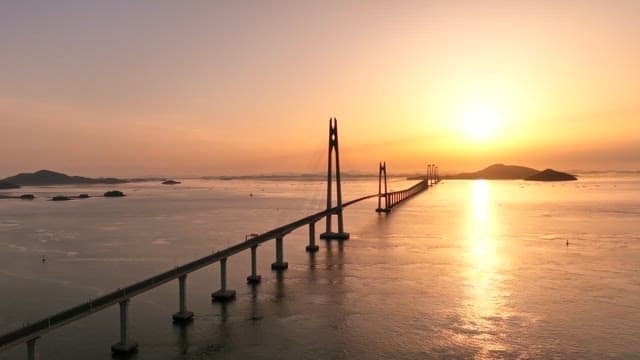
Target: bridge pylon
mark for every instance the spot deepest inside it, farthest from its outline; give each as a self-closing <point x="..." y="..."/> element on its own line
<point x="334" y="149"/>
<point x="433" y="176"/>
<point x="382" y="174"/>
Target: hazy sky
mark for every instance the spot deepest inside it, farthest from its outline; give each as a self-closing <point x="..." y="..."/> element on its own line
<point x="212" y="87"/>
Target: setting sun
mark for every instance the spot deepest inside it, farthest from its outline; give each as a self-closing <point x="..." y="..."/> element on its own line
<point x="480" y="123"/>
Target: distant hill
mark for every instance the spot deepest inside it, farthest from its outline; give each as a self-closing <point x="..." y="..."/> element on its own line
<point x="498" y="172"/>
<point x="551" y="175"/>
<point x="8" y="185"/>
<point x="48" y="177"/>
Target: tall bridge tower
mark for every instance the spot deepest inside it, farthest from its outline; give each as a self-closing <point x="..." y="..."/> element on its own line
<point x="382" y="175"/>
<point x="334" y="149"/>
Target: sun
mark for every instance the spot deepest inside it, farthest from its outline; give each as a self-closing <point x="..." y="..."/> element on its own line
<point x="480" y="123"/>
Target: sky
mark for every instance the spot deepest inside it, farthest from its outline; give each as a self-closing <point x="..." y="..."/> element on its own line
<point x="173" y="88"/>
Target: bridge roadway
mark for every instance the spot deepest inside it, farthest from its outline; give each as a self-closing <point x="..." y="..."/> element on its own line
<point x="37" y="329"/>
<point x="395" y="197"/>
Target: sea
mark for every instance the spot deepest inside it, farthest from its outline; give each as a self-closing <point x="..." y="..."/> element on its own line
<point x="469" y="269"/>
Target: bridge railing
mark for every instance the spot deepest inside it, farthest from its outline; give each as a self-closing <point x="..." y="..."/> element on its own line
<point x="395" y="197"/>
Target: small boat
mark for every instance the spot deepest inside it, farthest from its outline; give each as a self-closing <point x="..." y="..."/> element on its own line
<point x="170" y="182"/>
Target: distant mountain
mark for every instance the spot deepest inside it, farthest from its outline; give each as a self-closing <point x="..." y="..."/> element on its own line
<point x="48" y="177"/>
<point x="551" y="175"/>
<point x="498" y="172"/>
<point x="8" y="185"/>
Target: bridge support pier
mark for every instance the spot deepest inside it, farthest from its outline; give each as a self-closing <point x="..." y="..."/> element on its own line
<point x="254" y="278"/>
<point x="312" y="247"/>
<point x="32" y="350"/>
<point x="183" y="315"/>
<point x="125" y="345"/>
<point x="223" y="294"/>
<point x="280" y="264"/>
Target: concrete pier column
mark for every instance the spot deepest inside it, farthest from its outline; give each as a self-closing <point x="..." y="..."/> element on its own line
<point x="183" y="314"/>
<point x="32" y="350"/>
<point x="125" y="345"/>
<point x="254" y="278"/>
<point x="312" y="247"/>
<point x="280" y="264"/>
<point x="223" y="294"/>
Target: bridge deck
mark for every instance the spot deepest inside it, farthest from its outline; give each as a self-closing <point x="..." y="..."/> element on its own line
<point x="39" y="328"/>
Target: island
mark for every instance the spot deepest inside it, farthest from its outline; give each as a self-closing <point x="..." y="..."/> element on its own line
<point x="60" y="198"/>
<point x="171" y="182"/>
<point x="497" y="172"/>
<point x="551" y="175"/>
<point x="23" y="197"/>
<point x="513" y="172"/>
<point x="7" y="185"/>
<point x="114" y="193"/>
<point x="48" y="177"/>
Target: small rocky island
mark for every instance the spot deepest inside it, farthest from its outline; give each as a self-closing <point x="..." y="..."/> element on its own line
<point x="60" y="198"/>
<point x="551" y="175"/>
<point x="114" y="193"/>
<point x="23" y="197"/>
<point x="171" y="182"/>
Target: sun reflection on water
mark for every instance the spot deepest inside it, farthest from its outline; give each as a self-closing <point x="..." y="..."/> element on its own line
<point x="481" y="229"/>
<point x="484" y="308"/>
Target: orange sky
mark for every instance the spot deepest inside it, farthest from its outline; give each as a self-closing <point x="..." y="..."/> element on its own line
<point x="211" y="88"/>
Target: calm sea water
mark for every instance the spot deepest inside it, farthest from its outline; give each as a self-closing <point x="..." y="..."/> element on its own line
<point x="468" y="269"/>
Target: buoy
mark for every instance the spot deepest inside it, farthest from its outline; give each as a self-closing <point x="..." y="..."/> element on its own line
<point x="44" y="258"/>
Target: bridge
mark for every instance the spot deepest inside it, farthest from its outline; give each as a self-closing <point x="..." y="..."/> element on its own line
<point x="30" y="333"/>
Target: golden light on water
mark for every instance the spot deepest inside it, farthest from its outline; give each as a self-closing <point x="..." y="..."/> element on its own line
<point x="479" y="233"/>
<point x="485" y="297"/>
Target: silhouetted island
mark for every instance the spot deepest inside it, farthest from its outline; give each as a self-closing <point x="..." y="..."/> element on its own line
<point x="513" y="172"/>
<point x="48" y="177"/>
<point x="8" y="185"/>
<point x="114" y="193"/>
<point x="171" y="182"/>
<point x="551" y="175"/>
<point x="23" y="197"/>
<point x="60" y="198"/>
<point x="497" y="172"/>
